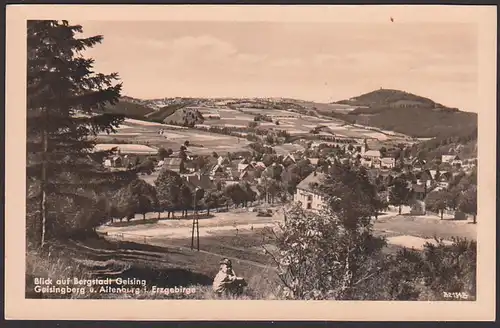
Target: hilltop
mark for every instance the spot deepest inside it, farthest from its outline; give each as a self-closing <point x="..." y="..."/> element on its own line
<point x="390" y="98"/>
<point x="407" y="113"/>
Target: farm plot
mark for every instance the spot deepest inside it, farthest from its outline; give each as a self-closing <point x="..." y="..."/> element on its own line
<point x="140" y="132"/>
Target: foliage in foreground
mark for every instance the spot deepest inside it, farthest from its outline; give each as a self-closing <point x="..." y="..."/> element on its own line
<point x="334" y="254"/>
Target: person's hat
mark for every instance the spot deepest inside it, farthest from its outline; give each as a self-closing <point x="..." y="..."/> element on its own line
<point x="225" y="261"/>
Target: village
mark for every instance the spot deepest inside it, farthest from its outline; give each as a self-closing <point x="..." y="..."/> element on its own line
<point x="269" y="178"/>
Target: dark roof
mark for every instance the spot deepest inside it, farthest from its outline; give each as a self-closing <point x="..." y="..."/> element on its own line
<point x="311" y="179"/>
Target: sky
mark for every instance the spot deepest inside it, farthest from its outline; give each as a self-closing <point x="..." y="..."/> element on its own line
<point x="319" y="61"/>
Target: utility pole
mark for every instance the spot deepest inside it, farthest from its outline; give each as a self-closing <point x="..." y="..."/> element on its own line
<point x="195" y="223"/>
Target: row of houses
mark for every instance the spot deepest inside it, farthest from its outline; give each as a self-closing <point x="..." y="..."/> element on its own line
<point x="310" y="197"/>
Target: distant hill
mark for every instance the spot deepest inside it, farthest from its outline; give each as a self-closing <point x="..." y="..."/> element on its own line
<point x="161" y="114"/>
<point x="385" y="109"/>
<point x="129" y="109"/>
<point x="185" y="116"/>
<point x="407" y="113"/>
<point x="390" y="98"/>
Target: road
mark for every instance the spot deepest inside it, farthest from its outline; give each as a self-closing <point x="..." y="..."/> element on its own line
<point x="401" y="230"/>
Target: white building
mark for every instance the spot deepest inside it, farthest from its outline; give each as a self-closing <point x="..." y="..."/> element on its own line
<point x="447" y="158"/>
<point x="308" y="194"/>
<point x="388" y="162"/>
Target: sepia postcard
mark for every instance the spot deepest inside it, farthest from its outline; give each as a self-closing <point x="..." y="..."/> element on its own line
<point x="250" y="162"/>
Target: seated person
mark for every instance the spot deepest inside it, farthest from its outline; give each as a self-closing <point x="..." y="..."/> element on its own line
<point x="226" y="281"/>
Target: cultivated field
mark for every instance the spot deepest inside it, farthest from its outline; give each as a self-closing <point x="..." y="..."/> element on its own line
<point x="204" y="143"/>
<point x="147" y="133"/>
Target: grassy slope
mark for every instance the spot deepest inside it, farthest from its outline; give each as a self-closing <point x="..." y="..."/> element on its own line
<point x="164" y="112"/>
<point x="159" y="263"/>
<point x="129" y="109"/>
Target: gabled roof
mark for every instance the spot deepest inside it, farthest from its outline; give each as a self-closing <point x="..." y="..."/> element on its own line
<point x="245" y="174"/>
<point x="311" y="179"/>
<point x="223" y="160"/>
<point x="217" y="168"/>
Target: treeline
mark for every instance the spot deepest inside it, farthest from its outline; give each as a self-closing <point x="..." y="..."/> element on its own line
<point x="171" y="193"/>
<point x="458" y="143"/>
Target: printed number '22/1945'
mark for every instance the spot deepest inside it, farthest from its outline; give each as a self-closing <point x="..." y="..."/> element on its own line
<point x="456" y="295"/>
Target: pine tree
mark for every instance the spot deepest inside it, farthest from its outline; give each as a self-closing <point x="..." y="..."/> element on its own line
<point x="64" y="101"/>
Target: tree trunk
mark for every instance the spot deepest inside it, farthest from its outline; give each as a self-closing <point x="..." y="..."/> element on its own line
<point x="144" y="216"/>
<point x="442" y="214"/>
<point x="399" y="209"/>
<point x="43" y="203"/>
<point x="208" y="210"/>
<point x="474" y="219"/>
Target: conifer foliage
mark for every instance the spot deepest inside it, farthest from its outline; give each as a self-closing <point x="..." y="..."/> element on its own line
<point x="64" y="100"/>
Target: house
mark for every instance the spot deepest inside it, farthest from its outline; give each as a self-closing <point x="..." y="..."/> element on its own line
<point x="259" y="165"/>
<point x="424" y="176"/>
<point x="447" y="158"/>
<point x="246" y="176"/>
<point x="314" y="161"/>
<point x="419" y="192"/>
<point x="243" y="167"/>
<point x="243" y="164"/>
<point x="113" y="161"/>
<point x="233" y="174"/>
<point x="308" y="194"/>
<point x="197" y="180"/>
<point x="444" y="179"/>
<point x="127" y="149"/>
<point x="173" y="164"/>
<point x="217" y="168"/>
<point x="456" y="161"/>
<point x="418" y="165"/>
<point x="373" y="162"/>
<point x="372" y="154"/>
<point x="387" y="162"/>
<point x="289" y="159"/>
<point x="223" y="161"/>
